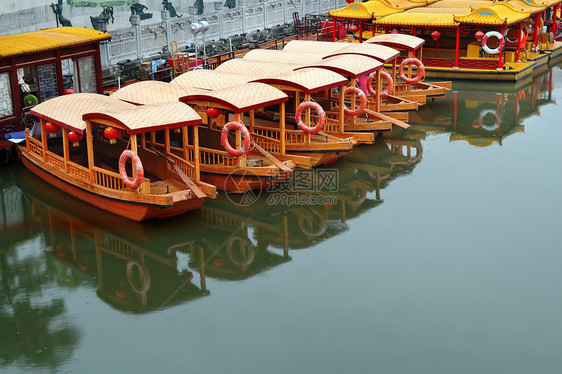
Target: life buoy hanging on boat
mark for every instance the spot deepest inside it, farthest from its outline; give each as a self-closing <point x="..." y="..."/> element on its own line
<point x="141" y="285"/>
<point x="389" y="81"/>
<point x="482" y="123"/>
<point x="245" y="134"/>
<point x="321" y="117"/>
<point x="501" y="43"/>
<point x="362" y="101"/>
<point x="127" y="153"/>
<point x="511" y="42"/>
<point x="421" y="70"/>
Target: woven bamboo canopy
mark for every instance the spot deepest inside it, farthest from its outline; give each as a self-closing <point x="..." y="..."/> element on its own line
<point x="210" y="79"/>
<point x="307" y="80"/>
<point x="282" y="56"/>
<point x="255" y="69"/>
<point x="48" y="39"/>
<point x="329" y="49"/>
<point x="153" y="92"/>
<point x="402" y="41"/>
<point x="69" y="111"/>
<point x="151" y="117"/>
<point x="239" y="99"/>
<point x="351" y="66"/>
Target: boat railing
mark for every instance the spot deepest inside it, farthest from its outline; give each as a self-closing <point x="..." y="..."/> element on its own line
<point x="273" y="134"/>
<point x="214" y="157"/>
<point x="108" y="179"/>
<point x="296" y="136"/>
<point x="185" y="166"/>
<point x="267" y="143"/>
<point x="34" y="146"/>
<point x="332" y="123"/>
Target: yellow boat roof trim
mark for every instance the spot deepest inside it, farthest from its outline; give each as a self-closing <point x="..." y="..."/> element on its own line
<point x="495" y="14"/>
<point x="365" y="11"/>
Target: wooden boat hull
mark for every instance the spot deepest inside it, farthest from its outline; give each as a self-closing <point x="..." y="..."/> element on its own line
<point x="136" y="211"/>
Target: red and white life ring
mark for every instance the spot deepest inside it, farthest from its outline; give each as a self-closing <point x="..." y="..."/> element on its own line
<point x="245" y="133"/>
<point x="321" y="117"/>
<point x="421" y="70"/>
<point x="501" y="42"/>
<point x="362" y="101"/>
<point x="127" y="153"/>
<point x="389" y="88"/>
<point x="511" y="42"/>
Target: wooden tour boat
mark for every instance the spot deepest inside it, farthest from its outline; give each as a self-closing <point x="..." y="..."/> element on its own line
<point x="85" y="140"/>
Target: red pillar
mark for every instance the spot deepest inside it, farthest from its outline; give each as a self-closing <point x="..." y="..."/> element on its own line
<point x="500" y="61"/>
<point x="554" y="20"/>
<point x="360" y="31"/>
<point x="334" y="34"/>
<point x="457" y="47"/>
<point x="517" y="52"/>
<point x="536" y="32"/>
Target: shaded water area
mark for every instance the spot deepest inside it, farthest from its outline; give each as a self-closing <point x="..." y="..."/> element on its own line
<point x="436" y="250"/>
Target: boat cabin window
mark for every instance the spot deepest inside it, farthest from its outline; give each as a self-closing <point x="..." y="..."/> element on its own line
<point x="6" y="105"/>
<point x="79" y="74"/>
<point x="37" y="83"/>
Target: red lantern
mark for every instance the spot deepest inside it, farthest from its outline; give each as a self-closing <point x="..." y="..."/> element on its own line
<point x="112" y="134"/>
<point x="479" y="35"/>
<point x="213" y="112"/>
<point x="68" y="91"/>
<point x="394" y="31"/>
<point x="74" y="138"/>
<point x="436" y="35"/>
<point x="350" y="1"/>
<point x="353" y="29"/>
<point x="52" y="129"/>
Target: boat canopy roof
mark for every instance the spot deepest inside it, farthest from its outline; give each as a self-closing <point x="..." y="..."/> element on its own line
<point x="365" y="11"/>
<point x="210" y="79"/>
<point x="308" y="80"/>
<point x="70" y="112"/>
<point x="348" y="65"/>
<point x="152" y="117"/>
<point x="48" y="39"/>
<point x="329" y="49"/>
<point x="493" y="15"/>
<point x="457" y="4"/>
<point x="436" y="17"/>
<point x="524" y="6"/>
<point x="255" y="69"/>
<point x="402" y="41"/>
<point x="282" y="56"/>
<point x="240" y="98"/>
<point x="153" y="92"/>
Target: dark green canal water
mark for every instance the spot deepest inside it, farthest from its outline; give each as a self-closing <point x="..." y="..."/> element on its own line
<point x="436" y="250"/>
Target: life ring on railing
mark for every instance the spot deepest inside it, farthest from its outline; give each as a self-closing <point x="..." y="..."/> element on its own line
<point x="483" y="124"/>
<point x="127" y="153"/>
<point x="501" y="43"/>
<point x="143" y="284"/>
<point x="362" y="101"/>
<point x="511" y="42"/>
<point x="248" y="247"/>
<point x="322" y="224"/>
<point x="421" y="70"/>
<point x="321" y="117"/>
<point x="389" y="87"/>
<point x="245" y="133"/>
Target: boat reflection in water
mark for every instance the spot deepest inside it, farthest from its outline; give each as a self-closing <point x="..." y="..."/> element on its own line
<point x="484" y="117"/>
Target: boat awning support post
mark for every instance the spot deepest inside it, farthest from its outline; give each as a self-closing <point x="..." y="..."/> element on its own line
<point x="502" y="51"/>
<point x="379" y="88"/>
<point x="536" y="32"/>
<point x="518" y="48"/>
<point x="555" y="10"/>
<point x="65" y="151"/>
<point x="90" y="148"/>
<point x="340" y="108"/>
<point x="458" y="33"/>
<point x="282" y="139"/>
<point x="360" y="31"/>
